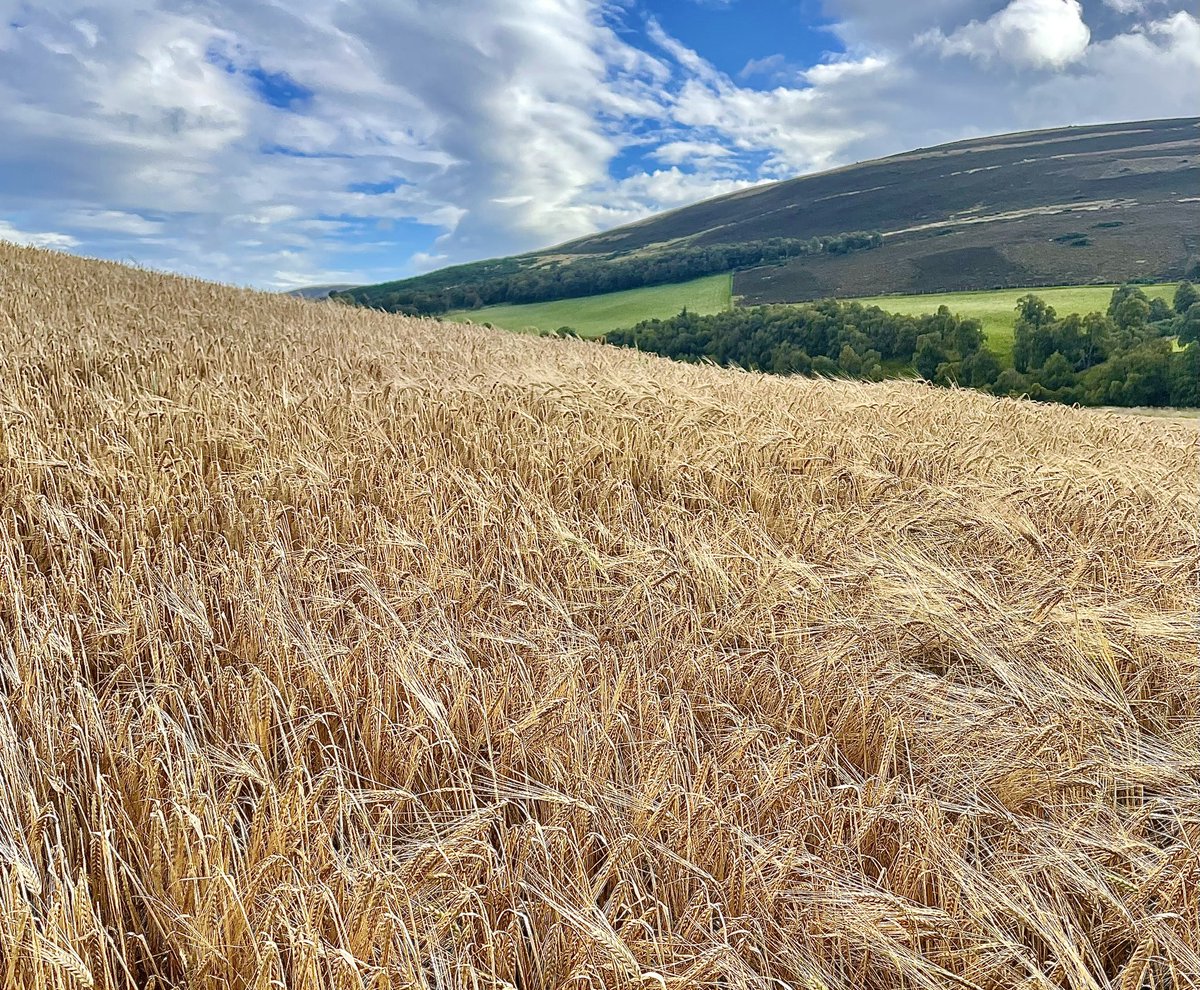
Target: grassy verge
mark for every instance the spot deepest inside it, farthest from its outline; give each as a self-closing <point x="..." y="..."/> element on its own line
<point x="593" y="316"/>
<point x="996" y="310"/>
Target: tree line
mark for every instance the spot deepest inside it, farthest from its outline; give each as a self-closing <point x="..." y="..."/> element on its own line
<point x="527" y="280"/>
<point x="1138" y="352"/>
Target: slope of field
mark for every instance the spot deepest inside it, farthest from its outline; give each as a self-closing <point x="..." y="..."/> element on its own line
<point x="996" y="310"/>
<point x="342" y="650"/>
<point x="593" y="316"/>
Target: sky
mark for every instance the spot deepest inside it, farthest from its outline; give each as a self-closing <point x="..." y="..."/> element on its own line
<point x="279" y="144"/>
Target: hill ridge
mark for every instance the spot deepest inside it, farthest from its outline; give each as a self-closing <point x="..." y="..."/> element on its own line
<point x="996" y="225"/>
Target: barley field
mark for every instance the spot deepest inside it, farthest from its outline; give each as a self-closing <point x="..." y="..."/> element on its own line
<point x="348" y="651"/>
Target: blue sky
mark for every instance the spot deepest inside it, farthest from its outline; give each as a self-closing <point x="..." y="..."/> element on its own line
<point x="279" y="144"/>
<point x="730" y="35"/>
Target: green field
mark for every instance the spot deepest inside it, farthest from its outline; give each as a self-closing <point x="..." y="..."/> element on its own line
<point x="996" y="310"/>
<point x="592" y="316"/>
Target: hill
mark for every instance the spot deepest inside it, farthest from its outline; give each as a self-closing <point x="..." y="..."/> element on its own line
<point x="348" y="650"/>
<point x="1072" y="206"/>
<point x="999" y="212"/>
<point x="319" y="291"/>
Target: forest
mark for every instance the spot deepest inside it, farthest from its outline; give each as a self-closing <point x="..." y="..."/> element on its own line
<point x="1137" y="352"/>
<point x="530" y="280"/>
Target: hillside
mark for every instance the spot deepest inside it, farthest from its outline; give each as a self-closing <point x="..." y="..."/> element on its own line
<point x="993" y="212"/>
<point x="1073" y="206"/>
<point x="318" y="291"/>
<point x="345" y="650"/>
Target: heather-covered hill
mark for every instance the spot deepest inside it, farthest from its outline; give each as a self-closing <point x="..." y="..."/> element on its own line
<point x="993" y="212"/>
<point x="1073" y="206"/>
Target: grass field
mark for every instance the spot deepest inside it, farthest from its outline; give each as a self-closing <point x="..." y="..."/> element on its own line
<point x="996" y="310"/>
<point x="595" y="315"/>
<point x="339" y="651"/>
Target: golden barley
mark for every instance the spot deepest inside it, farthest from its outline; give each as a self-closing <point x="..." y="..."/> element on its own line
<point x="344" y="650"/>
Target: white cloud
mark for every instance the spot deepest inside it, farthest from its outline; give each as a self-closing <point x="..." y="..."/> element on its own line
<point x="669" y="187"/>
<point x="1038" y="33"/>
<point x="426" y="261"/>
<point x="796" y="129"/>
<point x="870" y="24"/>
<point x="682" y="152"/>
<point x="494" y="123"/>
<point x="31" y="239"/>
<point x="286" y="278"/>
<point x="770" y="66"/>
<point x="521" y="99"/>
<point x="113" y="222"/>
<point x="829" y="73"/>
<point x="1161" y="58"/>
<point x="1132" y="6"/>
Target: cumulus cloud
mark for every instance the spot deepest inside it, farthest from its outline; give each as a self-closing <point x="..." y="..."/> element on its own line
<point x="1038" y="33"/>
<point x="530" y="102"/>
<point x="42" y="239"/>
<point x="1160" y="57"/>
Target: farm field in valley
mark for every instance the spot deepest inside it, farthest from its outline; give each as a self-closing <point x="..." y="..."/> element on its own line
<point x="593" y="316"/>
<point x="996" y="309"/>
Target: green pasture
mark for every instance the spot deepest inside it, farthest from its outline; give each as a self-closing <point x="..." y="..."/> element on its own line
<point x="996" y="309"/>
<point x="592" y="316"/>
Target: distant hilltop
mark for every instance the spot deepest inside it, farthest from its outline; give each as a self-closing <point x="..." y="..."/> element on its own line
<point x="318" y="291"/>
<point x="1071" y="206"/>
<point x="1068" y="206"/>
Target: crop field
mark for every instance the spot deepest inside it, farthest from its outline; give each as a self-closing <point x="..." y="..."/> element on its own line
<point x="594" y="316"/>
<point x="343" y="650"/>
<point x="996" y="309"/>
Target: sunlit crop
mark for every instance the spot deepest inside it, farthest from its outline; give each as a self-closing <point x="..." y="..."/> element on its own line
<point x="342" y="650"/>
